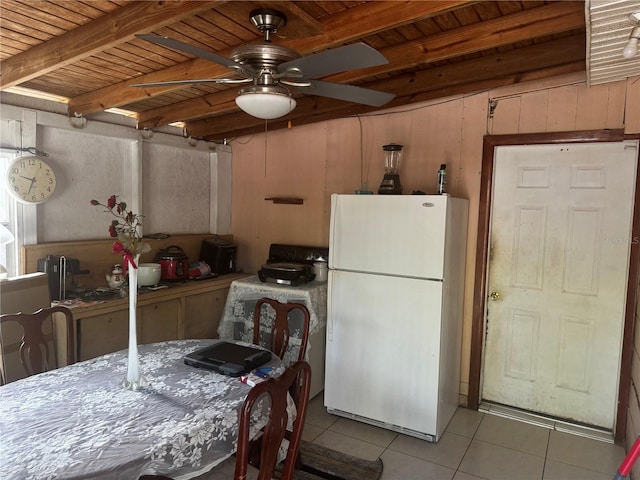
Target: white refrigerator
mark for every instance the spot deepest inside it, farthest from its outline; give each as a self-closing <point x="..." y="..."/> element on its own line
<point x="394" y="319"/>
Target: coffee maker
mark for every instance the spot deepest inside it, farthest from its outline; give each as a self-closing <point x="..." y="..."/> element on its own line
<point x="391" y="182"/>
<point x="60" y="271"/>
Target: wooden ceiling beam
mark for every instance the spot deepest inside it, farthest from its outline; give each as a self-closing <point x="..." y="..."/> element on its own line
<point x="554" y="18"/>
<point x="437" y="82"/>
<point x="339" y="28"/>
<point x="105" y="32"/>
<point x="546" y="20"/>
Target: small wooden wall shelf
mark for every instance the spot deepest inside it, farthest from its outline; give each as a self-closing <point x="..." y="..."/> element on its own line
<point x="286" y="200"/>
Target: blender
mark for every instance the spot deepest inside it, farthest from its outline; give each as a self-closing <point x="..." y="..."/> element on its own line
<point x="391" y="182"/>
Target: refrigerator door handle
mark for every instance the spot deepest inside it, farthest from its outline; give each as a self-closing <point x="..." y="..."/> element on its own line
<point x="329" y="312"/>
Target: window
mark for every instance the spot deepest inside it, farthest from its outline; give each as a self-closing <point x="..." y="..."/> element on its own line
<point x="8" y="252"/>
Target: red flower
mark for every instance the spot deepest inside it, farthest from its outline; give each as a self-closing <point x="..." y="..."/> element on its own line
<point x="124" y="227"/>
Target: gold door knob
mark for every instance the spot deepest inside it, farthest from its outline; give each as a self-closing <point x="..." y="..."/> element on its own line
<point x="495" y="296"/>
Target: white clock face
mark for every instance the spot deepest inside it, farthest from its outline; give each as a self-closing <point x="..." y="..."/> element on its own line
<point x="30" y="180"/>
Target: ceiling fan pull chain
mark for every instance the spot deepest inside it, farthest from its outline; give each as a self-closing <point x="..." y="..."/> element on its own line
<point x="265" y="148"/>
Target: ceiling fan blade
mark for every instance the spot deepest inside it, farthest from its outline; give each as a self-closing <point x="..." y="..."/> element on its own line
<point x="341" y="59"/>
<point x="190" y="49"/>
<point x="187" y="82"/>
<point x="348" y="93"/>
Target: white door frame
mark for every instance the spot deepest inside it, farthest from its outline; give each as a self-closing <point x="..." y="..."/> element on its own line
<point x="480" y="283"/>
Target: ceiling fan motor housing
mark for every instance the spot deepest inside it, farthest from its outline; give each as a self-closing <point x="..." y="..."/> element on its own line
<point x="263" y="56"/>
<point x="267" y="21"/>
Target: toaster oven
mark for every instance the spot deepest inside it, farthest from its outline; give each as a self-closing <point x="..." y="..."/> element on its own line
<point x="219" y="254"/>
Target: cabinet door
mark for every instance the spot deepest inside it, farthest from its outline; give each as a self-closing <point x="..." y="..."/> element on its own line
<point x="158" y="322"/>
<point x="203" y="312"/>
<point x="103" y="334"/>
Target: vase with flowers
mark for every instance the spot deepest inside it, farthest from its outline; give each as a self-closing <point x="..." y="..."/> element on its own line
<point x="125" y="228"/>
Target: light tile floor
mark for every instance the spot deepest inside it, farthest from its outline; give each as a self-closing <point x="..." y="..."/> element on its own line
<point x="474" y="446"/>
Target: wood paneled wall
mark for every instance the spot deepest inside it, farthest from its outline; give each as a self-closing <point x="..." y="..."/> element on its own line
<point x="339" y="156"/>
<point x="96" y="256"/>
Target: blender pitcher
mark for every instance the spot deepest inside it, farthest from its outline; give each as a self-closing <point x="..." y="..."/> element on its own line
<point x="391" y="182"/>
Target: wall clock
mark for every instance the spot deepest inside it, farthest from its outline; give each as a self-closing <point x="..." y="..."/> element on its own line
<point x="30" y="180"/>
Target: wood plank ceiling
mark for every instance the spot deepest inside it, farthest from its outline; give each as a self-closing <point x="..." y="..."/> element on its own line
<point x="86" y="52"/>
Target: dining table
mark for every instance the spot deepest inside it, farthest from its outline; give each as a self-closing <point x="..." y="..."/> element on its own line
<point x="79" y="422"/>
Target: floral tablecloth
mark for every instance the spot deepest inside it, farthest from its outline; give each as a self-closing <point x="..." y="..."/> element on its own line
<point x="77" y="422"/>
<point x="237" y="319"/>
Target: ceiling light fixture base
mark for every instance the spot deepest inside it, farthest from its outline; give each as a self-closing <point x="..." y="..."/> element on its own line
<point x="265" y="101"/>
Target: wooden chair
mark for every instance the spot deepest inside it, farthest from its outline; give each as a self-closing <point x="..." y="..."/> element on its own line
<point x="34" y="348"/>
<point x="296" y="378"/>
<point x="280" y="331"/>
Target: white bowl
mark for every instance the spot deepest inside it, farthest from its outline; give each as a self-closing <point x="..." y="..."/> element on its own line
<point x="149" y="274"/>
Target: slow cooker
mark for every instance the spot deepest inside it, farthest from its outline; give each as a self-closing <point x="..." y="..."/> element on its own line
<point x="173" y="262"/>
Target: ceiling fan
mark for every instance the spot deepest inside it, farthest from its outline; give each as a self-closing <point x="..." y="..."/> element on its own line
<point x="274" y="70"/>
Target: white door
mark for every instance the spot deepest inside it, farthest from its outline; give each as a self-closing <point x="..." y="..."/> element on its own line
<point x="561" y="220"/>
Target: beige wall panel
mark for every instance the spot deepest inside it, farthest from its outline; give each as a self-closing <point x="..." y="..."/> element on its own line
<point x="592" y="107"/>
<point x="474" y="118"/>
<point x="616" y="105"/>
<point x="561" y="115"/>
<point x="431" y="135"/>
<point x="294" y="166"/>
<point x="533" y="114"/>
<point x="349" y="157"/>
<point x="632" y="111"/>
<point x="248" y="167"/>
<point x="506" y="116"/>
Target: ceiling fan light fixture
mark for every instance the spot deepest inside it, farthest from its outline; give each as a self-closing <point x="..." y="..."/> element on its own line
<point x="265" y="101"/>
<point x="631" y="48"/>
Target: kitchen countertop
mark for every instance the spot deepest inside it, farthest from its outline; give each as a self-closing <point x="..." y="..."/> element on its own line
<point x="165" y="291"/>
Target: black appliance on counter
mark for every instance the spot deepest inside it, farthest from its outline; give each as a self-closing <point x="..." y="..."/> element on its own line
<point x="60" y="271"/>
<point x="219" y="254"/>
<point x="291" y="264"/>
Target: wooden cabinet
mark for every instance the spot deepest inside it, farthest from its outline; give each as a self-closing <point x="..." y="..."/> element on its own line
<point x="204" y="311"/>
<point x="100" y="334"/>
<point x="186" y="310"/>
<point x="159" y="321"/>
